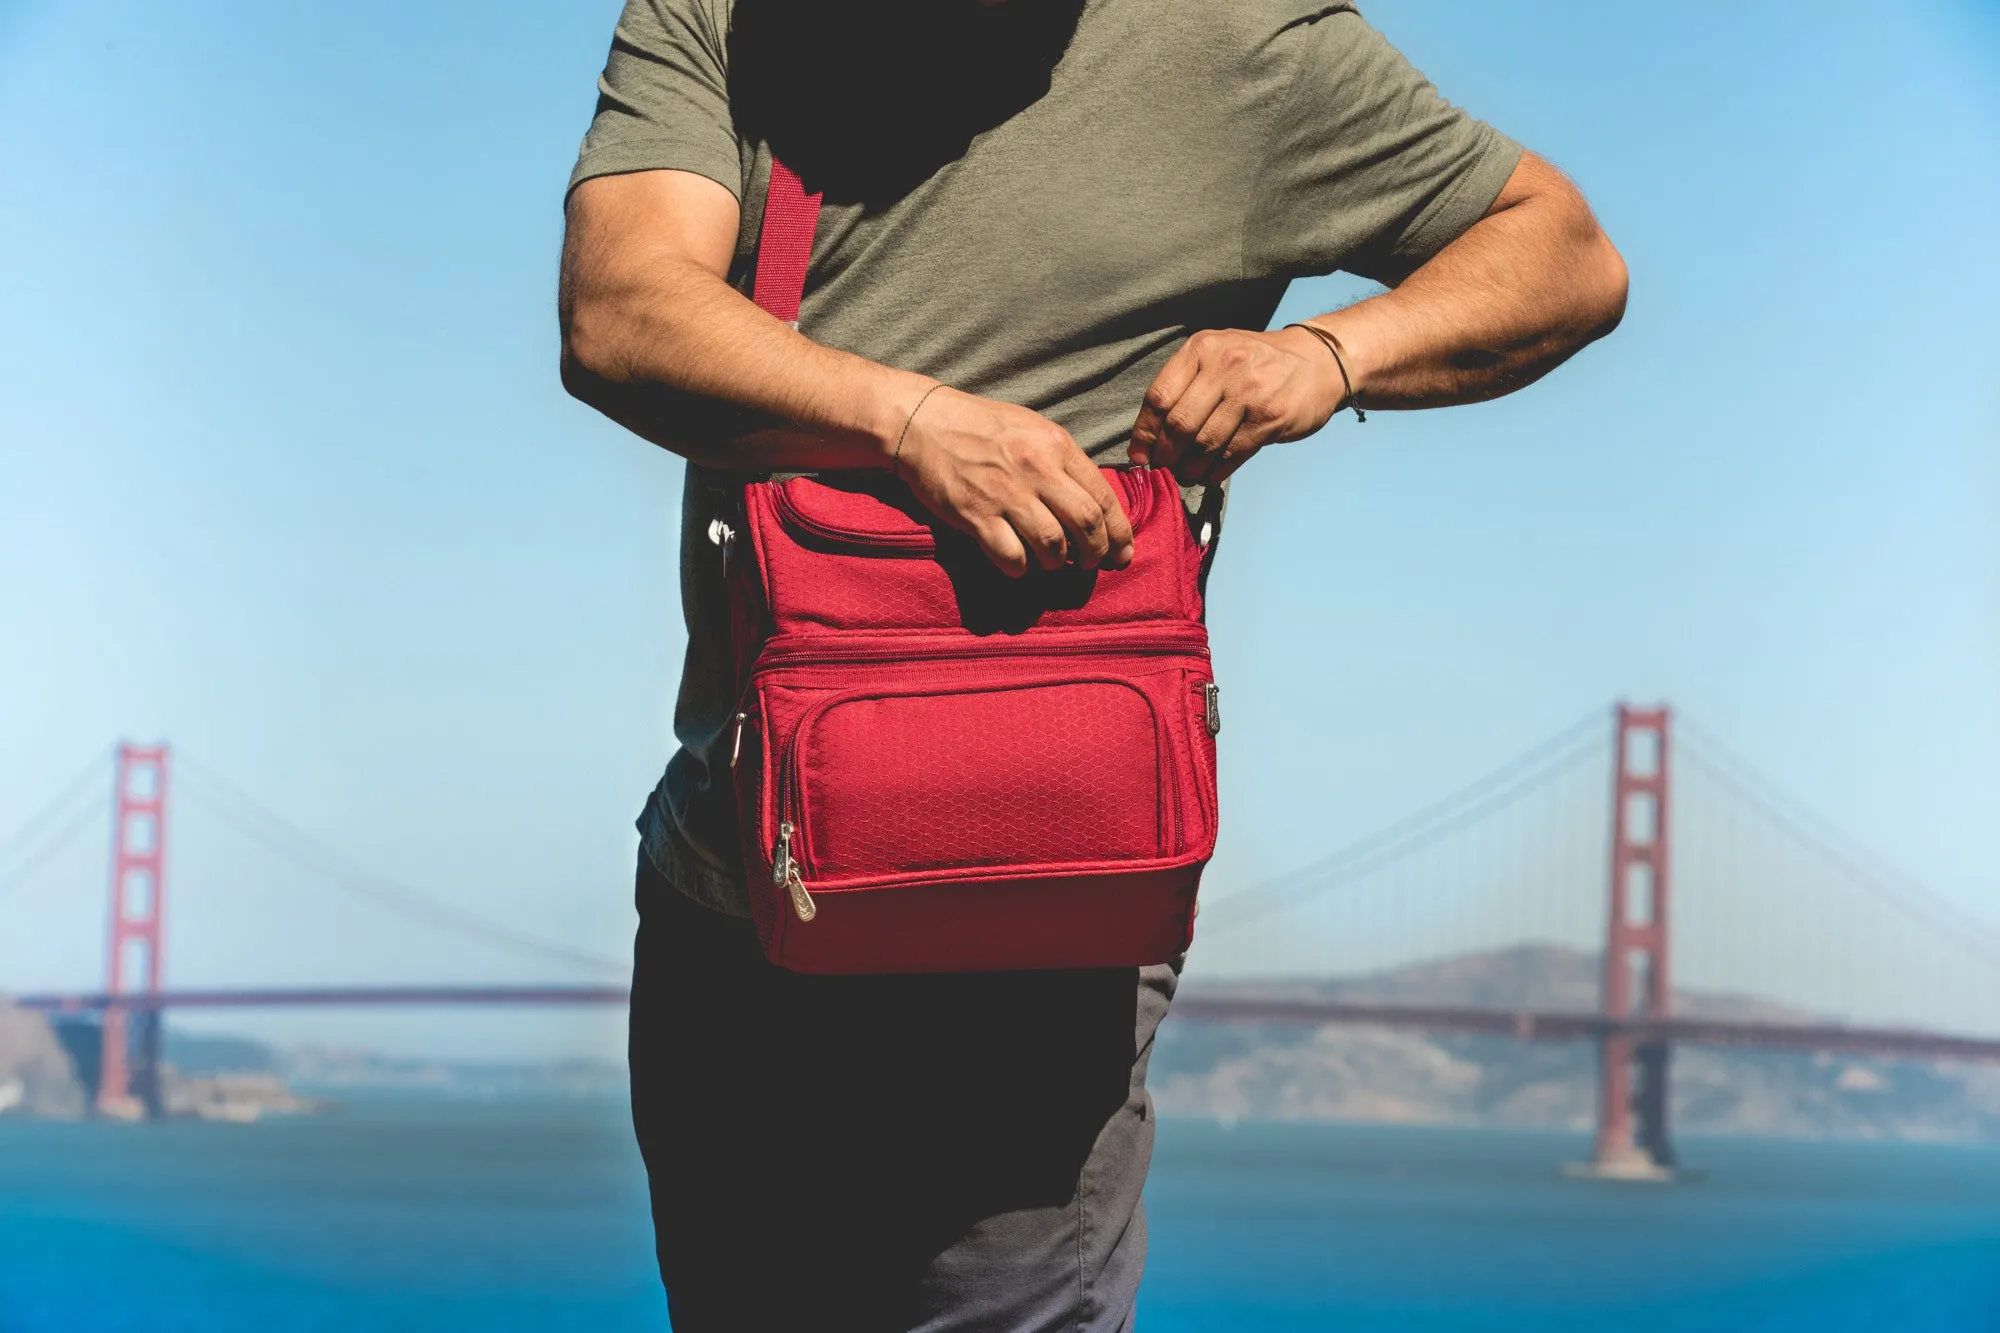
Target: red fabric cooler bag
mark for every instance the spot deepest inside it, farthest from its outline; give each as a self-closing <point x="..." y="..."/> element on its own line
<point x="941" y="769"/>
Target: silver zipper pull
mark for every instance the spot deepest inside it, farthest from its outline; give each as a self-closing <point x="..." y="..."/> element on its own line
<point x="785" y="874"/>
<point x="723" y="536"/>
<point x="736" y="746"/>
<point x="781" y="856"/>
<point x="1211" y="706"/>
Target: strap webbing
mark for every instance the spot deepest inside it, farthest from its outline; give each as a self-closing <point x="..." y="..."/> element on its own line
<point x="784" y="244"/>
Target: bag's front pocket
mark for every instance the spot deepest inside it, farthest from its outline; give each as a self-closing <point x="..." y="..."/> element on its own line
<point x="955" y="803"/>
<point x="1032" y="772"/>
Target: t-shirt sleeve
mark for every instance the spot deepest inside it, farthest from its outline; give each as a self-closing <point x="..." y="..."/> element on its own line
<point x="663" y="99"/>
<point x="1369" y="170"/>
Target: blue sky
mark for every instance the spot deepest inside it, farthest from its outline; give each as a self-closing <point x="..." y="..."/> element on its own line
<point x="286" y="476"/>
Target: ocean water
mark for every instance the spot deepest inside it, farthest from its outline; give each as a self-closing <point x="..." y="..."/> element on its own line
<point x="419" y="1216"/>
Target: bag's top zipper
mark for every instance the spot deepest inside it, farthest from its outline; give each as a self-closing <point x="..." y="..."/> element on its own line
<point x="915" y="540"/>
<point x="812" y="649"/>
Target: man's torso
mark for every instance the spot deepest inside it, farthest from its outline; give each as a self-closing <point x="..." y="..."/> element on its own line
<point x="1048" y="234"/>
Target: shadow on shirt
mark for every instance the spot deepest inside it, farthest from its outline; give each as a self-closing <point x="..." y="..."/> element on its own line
<point x="867" y="99"/>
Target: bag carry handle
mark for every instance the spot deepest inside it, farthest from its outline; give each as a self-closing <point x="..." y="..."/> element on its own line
<point x="784" y="244"/>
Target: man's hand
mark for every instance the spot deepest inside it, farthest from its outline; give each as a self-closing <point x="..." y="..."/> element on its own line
<point x="1015" y="481"/>
<point x="1502" y="305"/>
<point x="1228" y="393"/>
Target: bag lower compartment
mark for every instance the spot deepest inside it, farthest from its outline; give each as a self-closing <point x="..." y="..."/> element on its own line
<point x="1121" y="919"/>
<point x="924" y="805"/>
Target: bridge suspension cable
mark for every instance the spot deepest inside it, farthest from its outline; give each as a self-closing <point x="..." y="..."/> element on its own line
<point x="1778" y="902"/>
<point x="1529" y="772"/>
<point x="1915" y="899"/>
<point x="251" y="817"/>
<point x="83" y="801"/>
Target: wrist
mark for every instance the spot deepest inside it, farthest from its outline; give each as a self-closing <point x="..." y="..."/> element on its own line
<point x="1340" y="362"/>
<point x="1329" y="388"/>
<point x="890" y="409"/>
<point x="1358" y="338"/>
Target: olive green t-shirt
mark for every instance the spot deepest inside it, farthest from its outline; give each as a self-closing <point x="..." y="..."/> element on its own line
<point x="1037" y="201"/>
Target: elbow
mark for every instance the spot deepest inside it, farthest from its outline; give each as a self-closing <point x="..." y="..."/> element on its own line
<point x="597" y="370"/>
<point x="1608" y="284"/>
<point x="578" y="381"/>
<point x="588" y="362"/>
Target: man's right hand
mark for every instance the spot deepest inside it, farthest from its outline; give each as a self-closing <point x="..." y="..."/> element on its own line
<point x="1015" y="482"/>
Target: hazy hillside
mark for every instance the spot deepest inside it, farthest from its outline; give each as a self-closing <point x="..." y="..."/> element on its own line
<point x="35" y="1073"/>
<point x="1354" y="1073"/>
<point x="1341" y="1073"/>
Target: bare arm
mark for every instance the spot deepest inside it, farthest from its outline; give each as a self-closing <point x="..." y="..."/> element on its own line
<point x="649" y="324"/>
<point x="653" y="334"/>
<point x="1512" y="298"/>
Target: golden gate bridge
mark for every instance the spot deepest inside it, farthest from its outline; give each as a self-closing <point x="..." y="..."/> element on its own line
<point x="1628" y="833"/>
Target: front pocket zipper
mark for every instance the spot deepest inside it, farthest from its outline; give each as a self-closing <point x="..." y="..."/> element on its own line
<point x="795" y="852"/>
<point x="1211" y="707"/>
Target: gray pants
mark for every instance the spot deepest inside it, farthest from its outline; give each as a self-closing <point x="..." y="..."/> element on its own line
<point x="858" y="1153"/>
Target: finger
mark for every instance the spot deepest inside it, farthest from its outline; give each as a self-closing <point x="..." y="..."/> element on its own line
<point x="1231" y="459"/>
<point x="1251" y="436"/>
<point x="1118" y="525"/>
<point x="1148" y="432"/>
<point x="1082" y="517"/>
<point x="1190" y="412"/>
<point x="996" y="537"/>
<point x="1041" y="533"/>
<point x="1210" y="440"/>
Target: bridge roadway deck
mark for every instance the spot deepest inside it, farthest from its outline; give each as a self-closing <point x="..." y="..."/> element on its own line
<point x="1210" y="1005"/>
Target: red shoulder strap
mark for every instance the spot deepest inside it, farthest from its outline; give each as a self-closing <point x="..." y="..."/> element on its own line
<point x="784" y="244"/>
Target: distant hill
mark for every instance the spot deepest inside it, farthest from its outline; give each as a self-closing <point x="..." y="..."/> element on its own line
<point x="1377" y="1074"/>
<point x="36" y="1077"/>
<point x="201" y="1053"/>
<point x="1335" y="1073"/>
<point x="328" y="1069"/>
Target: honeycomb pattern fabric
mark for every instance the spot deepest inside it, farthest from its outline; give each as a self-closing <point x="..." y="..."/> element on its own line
<point x="997" y="777"/>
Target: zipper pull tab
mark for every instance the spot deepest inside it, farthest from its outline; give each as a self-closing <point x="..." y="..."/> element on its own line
<point x="723" y="536"/>
<point x="785" y="874"/>
<point x="736" y="746"/>
<point x="1211" y="700"/>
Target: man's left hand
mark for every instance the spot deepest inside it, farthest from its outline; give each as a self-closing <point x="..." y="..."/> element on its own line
<point x="1229" y="392"/>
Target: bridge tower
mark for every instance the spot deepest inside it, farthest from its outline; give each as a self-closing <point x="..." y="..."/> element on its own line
<point x="1638" y="979"/>
<point x="128" y="1081"/>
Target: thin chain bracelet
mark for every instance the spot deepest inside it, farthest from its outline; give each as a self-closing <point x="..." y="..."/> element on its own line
<point x="896" y="458"/>
<point x="1349" y="400"/>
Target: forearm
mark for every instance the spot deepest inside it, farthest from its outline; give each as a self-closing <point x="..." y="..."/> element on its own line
<point x="655" y="339"/>
<point x="1512" y="298"/>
